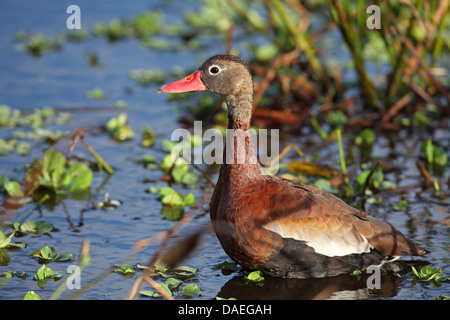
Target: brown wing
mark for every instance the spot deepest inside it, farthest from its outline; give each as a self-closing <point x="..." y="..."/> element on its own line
<point x="331" y="226"/>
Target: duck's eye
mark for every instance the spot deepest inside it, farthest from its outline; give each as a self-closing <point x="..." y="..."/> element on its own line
<point x="214" y="70"/>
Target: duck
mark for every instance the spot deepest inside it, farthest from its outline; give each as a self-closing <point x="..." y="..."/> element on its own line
<point x="280" y="227"/>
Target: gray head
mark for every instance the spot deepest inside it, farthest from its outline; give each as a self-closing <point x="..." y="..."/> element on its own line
<point x="226" y="75"/>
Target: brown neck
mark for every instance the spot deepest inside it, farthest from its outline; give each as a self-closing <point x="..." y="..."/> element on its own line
<point x="240" y="107"/>
<point x="239" y="153"/>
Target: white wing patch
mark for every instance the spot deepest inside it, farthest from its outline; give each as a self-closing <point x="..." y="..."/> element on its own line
<point x="322" y="242"/>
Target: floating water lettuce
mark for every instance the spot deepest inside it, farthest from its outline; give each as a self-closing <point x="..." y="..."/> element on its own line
<point x="429" y="274"/>
<point x="171" y="284"/>
<point x="97" y="94"/>
<point x="255" y="276"/>
<point x="44" y="274"/>
<point x="173" y="202"/>
<point x="5" y="242"/>
<point x="119" y="129"/>
<point x="108" y="204"/>
<point x="127" y="271"/>
<point x="148" y="137"/>
<point x="434" y="154"/>
<point x="191" y="289"/>
<point x="179" y="170"/>
<point x="154" y="294"/>
<point x="62" y="177"/>
<point x="36" y="228"/>
<point x="31" y="295"/>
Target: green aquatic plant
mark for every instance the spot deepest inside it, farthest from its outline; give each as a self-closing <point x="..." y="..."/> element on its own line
<point x="173" y="202"/>
<point x="35" y="228"/>
<point x="126" y="271"/>
<point x="97" y="93"/>
<point x="400" y="206"/>
<point x="60" y="176"/>
<point x="5" y="242"/>
<point x="174" y="279"/>
<point x="44" y="274"/>
<point x="31" y="295"/>
<point x="434" y="155"/>
<point x="428" y="274"/>
<point x="178" y="170"/>
<point x="107" y="203"/>
<point x="255" y="276"/>
<point x="119" y="129"/>
<point x="148" y="137"/>
<point x="49" y="254"/>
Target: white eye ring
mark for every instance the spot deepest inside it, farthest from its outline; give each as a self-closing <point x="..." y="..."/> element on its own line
<point x="214" y="69"/>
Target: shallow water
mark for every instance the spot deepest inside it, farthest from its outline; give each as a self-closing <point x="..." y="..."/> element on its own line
<point x="61" y="79"/>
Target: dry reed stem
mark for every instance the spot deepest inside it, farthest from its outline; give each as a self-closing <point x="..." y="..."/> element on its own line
<point x="143" y="277"/>
<point x="419" y="59"/>
<point x="157" y="287"/>
<point x="270" y="73"/>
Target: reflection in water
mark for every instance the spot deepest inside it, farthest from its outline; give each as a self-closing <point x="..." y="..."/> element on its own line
<point x="339" y="287"/>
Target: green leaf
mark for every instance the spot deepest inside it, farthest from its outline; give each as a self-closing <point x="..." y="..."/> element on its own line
<point x="50" y="254"/>
<point x="44" y="273"/>
<point x="430" y="274"/>
<point x="172" y="283"/>
<point x="191" y="289"/>
<point x="160" y="266"/>
<point x="189" y="178"/>
<point x="77" y="177"/>
<point x="401" y="206"/>
<point x="118" y="128"/>
<point x="13" y="188"/>
<point x="219" y="298"/>
<point x="52" y="167"/>
<point x="255" y="276"/>
<point x="361" y="180"/>
<point x="148" y="137"/>
<point x="36" y="228"/>
<point x="172" y="213"/>
<point x="179" y="172"/>
<point x="167" y="163"/>
<point x="184" y="271"/>
<point x="166" y="191"/>
<point x="325" y="185"/>
<point x="127" y="271"/>
<point x="154" y="294"/>
<point x="337" y="118"/>
<point x="173" y="199"/>
<point x="226" y="266"/>
<point x="189" y="200"/>
<point x="65" y="256"/>
<point x="366" y="137"/>
<point x="31" y="295"/>
<point x="433" y="153"/>
<point x="97" y="93"/>
<point x="439" y="156"/>
<point x="5" y="241"/>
